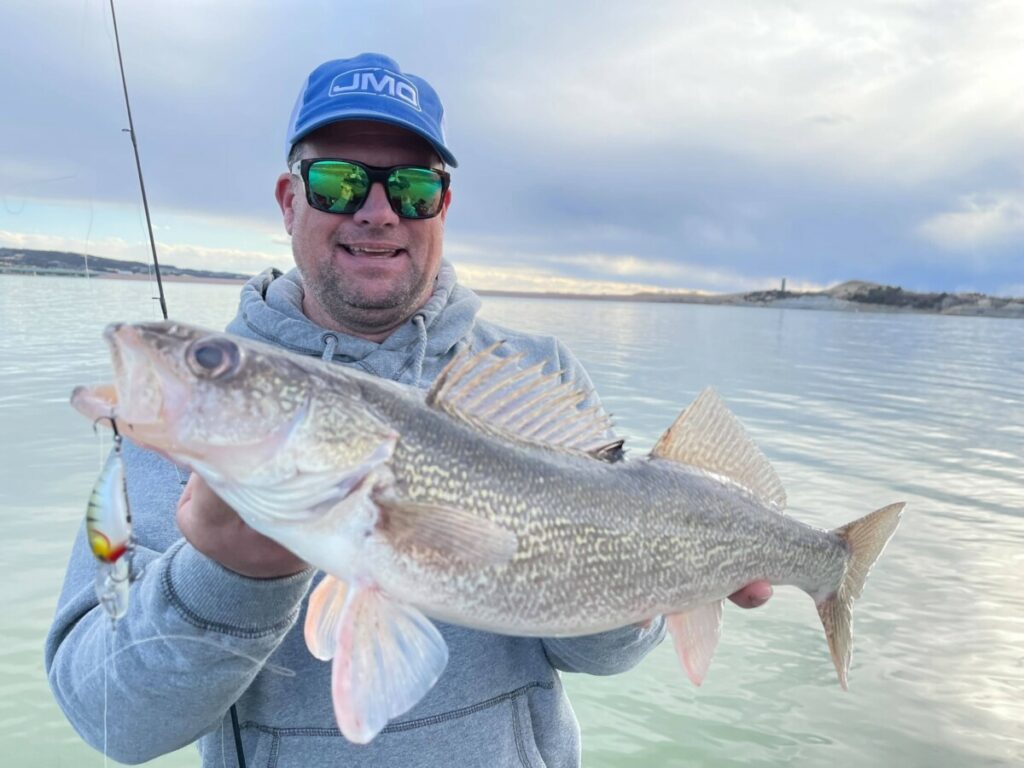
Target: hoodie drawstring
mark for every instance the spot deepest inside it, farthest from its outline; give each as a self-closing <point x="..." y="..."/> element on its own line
<point x="330" y="344"/>
<point x="421" y="348"/>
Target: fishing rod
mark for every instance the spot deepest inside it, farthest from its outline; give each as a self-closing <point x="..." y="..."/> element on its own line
<point x="240" y="754"/>
<point x="138" y="165"/>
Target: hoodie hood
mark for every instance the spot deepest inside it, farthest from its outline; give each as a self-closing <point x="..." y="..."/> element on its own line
<point x="271" y="310"/>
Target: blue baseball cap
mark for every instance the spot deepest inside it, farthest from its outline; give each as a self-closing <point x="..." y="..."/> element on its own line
<point x="369" y="87"/>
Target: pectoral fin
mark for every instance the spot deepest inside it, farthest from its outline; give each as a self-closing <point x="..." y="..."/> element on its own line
<point x="323" y="617"/>
<point x="457" y="532"/>
<point x="388" y="656"/>
<point x="695" y="636"/>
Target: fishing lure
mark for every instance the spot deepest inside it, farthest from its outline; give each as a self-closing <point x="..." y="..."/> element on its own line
<point x="108" y="523"/>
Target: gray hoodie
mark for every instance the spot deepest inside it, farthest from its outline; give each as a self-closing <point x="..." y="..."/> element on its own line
<point x="198" y="638"/>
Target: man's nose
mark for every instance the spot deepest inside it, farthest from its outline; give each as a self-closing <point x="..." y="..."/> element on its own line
<point x="376" y="210"/>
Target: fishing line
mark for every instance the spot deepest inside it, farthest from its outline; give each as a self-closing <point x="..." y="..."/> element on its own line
<point x="108" y="659"/>
<point x="15" y="192"/>
<point x="276" y="669"/>
<point x="105" y="661"/>
<point x="103" y="450"/>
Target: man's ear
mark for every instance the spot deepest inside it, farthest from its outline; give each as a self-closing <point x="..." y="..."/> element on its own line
<point x="285" y="194"/>
<point x="447" y="202"/>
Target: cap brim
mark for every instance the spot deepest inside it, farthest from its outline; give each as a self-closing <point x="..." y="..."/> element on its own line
<point x="441" y="149"/>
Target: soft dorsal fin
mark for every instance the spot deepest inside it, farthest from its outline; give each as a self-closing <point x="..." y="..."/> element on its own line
<point x="708" y="436"/>
<point x="497" y="395"/>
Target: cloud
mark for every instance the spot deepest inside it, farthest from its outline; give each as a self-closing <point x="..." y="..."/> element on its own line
<point x="868" y="90"/>
<point x="719" y="235"/>
<point x="981" y="220"/>
<point x="683" y="279"/>
<point x="512" y="278"/>
<point x="112" y="248"/>
<point x="484" y="265"/>
<point x="220" y="259"/>
<point x="751" y="139"/>
<point x="623" y="266"/>
<point x="678" y="274"/>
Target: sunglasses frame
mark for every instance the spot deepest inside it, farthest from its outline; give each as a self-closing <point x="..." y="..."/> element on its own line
<point x="377" y="175"/>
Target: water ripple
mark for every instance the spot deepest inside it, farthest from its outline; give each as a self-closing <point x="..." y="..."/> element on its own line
<point x="854" y="410"/>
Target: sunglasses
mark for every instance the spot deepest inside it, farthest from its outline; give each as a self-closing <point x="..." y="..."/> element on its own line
<point x="342" y="186"/>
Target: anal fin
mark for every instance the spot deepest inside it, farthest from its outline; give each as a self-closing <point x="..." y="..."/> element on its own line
<point x="695" y="636"/>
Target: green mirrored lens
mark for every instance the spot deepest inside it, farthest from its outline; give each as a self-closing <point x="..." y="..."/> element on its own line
<point x="337" y="186"/>
<point x="415" y="192"/>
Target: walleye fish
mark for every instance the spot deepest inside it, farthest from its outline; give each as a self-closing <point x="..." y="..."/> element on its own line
<point x="493" y="501"/>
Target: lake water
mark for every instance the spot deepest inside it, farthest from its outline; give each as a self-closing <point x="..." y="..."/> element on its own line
<point x="855" y="411"/>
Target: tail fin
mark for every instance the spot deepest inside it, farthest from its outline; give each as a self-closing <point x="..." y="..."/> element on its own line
<point x="867" y="538"/>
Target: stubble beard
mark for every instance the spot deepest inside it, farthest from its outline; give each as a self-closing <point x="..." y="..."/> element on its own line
<point x="352" y="308"/>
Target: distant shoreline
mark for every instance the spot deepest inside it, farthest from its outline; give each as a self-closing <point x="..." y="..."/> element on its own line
<point x="851" y="296"/>
<point x="136" y="277"/>
<point x="974" y="305"/>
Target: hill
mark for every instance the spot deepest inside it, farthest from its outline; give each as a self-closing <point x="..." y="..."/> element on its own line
<point x="21" y="260"/>
<point x="861" y="296"/>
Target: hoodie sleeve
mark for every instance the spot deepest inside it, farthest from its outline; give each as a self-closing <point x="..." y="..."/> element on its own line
<point x="194" y="637"/>
<point x="607" y="653"/>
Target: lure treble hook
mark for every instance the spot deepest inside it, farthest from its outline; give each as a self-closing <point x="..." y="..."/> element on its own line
<point x="113" y="428"/>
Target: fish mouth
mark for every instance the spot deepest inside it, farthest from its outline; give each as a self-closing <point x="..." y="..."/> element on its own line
<point x="136" y="398"/>
<point x="96" y="402"/>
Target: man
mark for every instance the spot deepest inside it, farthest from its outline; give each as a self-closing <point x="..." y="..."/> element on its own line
<point x="214" y="619"/>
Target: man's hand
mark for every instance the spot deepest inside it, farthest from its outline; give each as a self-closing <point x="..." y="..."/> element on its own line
<point x="216" y="530"/>
<point x="752" y="595"/>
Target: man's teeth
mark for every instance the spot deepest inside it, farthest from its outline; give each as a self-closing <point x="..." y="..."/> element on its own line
<point x="372" y="251"/>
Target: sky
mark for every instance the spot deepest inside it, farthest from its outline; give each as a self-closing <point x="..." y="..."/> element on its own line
<point x="602" y="146"/>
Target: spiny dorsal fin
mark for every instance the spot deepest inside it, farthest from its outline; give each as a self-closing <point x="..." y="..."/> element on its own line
<point x="708" y="436"/>
<point x="497" y="395"/>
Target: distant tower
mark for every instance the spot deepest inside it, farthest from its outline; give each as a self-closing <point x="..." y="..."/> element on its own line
<point x="783" y="288"/>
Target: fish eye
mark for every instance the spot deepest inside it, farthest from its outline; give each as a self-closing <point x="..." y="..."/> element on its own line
<point x="213" y="358"/>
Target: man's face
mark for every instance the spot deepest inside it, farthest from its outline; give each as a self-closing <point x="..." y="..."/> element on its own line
<point x="364" y="273"/>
